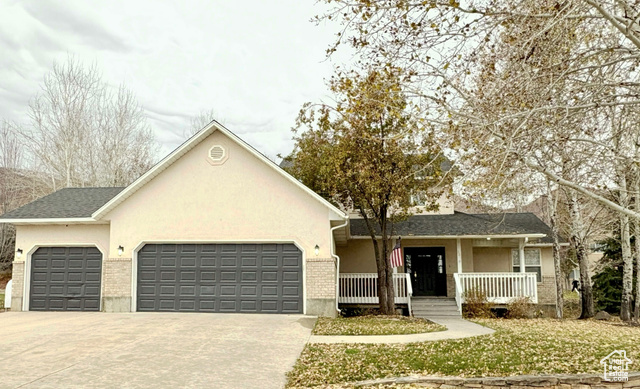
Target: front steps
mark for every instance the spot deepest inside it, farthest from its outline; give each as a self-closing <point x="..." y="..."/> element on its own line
<point x="425" y="307"/>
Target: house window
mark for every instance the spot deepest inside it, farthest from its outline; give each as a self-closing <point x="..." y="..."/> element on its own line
<point x="531" y="262"/>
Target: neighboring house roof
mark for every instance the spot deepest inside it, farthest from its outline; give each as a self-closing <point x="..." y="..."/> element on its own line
<point x="463" y="224"/>
<point x="65" y="203"/>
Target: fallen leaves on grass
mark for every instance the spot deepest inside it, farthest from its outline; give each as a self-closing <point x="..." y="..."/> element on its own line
<point x="526" y="346"/>
<point x="374" y="325"/>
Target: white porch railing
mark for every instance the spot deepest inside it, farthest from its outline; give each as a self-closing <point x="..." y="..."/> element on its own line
<point x="500" y="288"/>
<point x="362" y="288"/>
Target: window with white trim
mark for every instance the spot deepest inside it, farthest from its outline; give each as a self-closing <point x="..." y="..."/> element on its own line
<point x="532" y="262"/>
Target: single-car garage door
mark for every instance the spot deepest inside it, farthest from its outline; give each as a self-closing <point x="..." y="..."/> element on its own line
<point x="65" y="279"/>
<point x="255" y="278"/>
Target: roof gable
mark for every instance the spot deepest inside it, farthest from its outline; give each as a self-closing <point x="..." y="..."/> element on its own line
<point x="185" y="148"/>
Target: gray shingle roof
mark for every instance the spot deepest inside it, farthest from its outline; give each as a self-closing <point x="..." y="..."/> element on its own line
<point x="461" y="224"/>
<point x="65" y="203"/>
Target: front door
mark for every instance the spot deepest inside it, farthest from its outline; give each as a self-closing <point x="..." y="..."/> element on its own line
<point x="427" y="267"/>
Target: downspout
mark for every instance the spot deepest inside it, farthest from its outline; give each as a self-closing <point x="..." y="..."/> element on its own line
<point x="337" y="259"/>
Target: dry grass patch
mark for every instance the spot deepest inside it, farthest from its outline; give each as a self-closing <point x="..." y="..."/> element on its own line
<point x="525" y="346"/>
<point x="374" y="325"/>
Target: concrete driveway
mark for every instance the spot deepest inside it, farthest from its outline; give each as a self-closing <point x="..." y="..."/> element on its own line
<point x="148" y="350"/>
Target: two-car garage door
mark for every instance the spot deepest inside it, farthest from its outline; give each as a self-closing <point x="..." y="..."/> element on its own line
<point x="255" y="278"/>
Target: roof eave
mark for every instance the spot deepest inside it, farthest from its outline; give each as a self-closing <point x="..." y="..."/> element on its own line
<point x="69" y="220"/>
<point x="497" y="236"/>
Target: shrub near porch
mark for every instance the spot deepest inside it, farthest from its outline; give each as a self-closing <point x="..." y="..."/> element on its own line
<point x="533" y="346"/>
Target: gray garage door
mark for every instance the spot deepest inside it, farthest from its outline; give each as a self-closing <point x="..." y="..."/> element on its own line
<point x="256" y="278"/>
<point x="65" y="279"/>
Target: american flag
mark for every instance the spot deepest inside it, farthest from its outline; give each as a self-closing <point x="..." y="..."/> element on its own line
<point x="396" y="255"/>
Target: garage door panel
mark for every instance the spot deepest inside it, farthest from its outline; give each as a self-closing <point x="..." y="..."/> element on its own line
<point x="77" y="263"/>
<point x="290" y="261"/>
<point x="227" y="290"/>
<point x="65" y="278"/>
<point x="291" y="306"/>
<point x="268" y="260"/>
<point x="290" y="291"/>
<point x="251" y="261"/>
<point x="290" y="276"/>
<point x="167" y="290"/>
<point x="228" y="305"/>
<point x="220" y="277"/>
<point x="269" y="306"/>
<point x="228" y="276"/>
<point x="249" y="291"/>
<point x="207" y="290"/>
<point x="248" y="306"/>
<point x="207" y="261"/>
<point x="207" y="306"/>
<point x="147" y="275"/>
<point x="269" y="276"/>
<point x="273" y="248"/>
<point x="147" y="290"/>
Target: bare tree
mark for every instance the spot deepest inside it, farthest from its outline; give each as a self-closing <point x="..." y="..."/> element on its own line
<point x="586" y="49"/>
<point x="199" y="121"/>
<point x="83" y="133"/>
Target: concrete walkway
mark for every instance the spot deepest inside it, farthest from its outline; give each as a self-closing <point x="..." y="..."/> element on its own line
<point x="457" y="328"/>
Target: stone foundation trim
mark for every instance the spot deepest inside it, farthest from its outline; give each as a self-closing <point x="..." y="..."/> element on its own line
<point x="116" y="304"/>
<point x="320" y="260"/>
<point x="559" y="381"/>
<point x="117" y="260"/>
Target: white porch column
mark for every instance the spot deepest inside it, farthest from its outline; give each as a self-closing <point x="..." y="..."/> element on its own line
<point x="521" y="255"/>
<point x="459" y="254"/>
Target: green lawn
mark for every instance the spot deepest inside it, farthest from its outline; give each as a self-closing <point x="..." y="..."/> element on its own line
<point x="374" y="325"/>
<point x="527" y="346"/>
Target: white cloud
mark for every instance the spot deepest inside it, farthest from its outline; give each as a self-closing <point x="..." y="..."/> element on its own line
<point x="253" y="62"/>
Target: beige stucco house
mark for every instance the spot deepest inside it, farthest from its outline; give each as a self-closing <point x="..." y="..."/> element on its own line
<point x="217" y="227"/>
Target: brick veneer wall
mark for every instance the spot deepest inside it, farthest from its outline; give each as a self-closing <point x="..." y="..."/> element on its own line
<point x="117" y="277"/>
<point x="547" y="291"/>
<point x="560" y="381"/>
<point x="17" y="285"/>
<point x="321" y="278"/>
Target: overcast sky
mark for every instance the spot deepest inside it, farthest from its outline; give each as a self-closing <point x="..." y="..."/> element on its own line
<point x="253" y="62"/>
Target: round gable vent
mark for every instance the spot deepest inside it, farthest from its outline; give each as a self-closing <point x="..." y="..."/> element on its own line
<point x="217" y="153"/>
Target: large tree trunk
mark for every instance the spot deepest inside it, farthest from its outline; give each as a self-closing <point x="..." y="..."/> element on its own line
<point x="636" y="311"/>
<point x="577" y="243"/>
<point x="382" y="277"/>
<point x="553" y="218"/>
<point x="385" y="273"/>
<point x="627" y="259"/>
<point x="636" y="233"/>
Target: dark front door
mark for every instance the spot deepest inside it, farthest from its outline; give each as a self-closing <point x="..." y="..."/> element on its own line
<point x="428" y="270"/>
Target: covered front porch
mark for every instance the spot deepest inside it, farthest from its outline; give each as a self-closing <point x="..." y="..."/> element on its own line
<point x="502" y="268"/>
